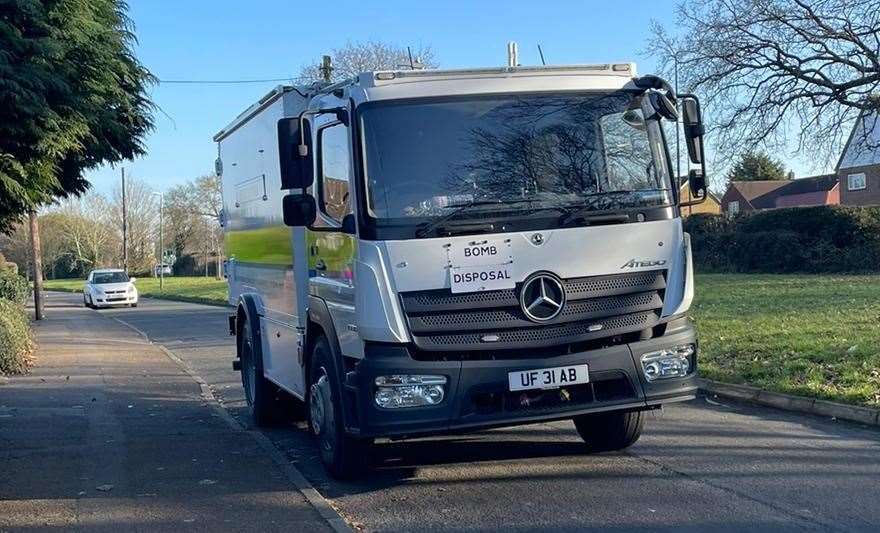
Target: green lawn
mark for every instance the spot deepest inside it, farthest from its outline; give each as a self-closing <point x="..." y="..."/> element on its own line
<point x="802" y="334"/>
<point x="189" y="289"/>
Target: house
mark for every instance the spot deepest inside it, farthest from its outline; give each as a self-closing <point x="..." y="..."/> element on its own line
<point x="747" y="196"/>
<point x="711" y="205"/>
<point x="859" y="167"/>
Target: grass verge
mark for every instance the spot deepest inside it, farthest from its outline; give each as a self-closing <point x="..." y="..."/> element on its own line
<point x="187" y="289"/>
<point x="811" y="335"/>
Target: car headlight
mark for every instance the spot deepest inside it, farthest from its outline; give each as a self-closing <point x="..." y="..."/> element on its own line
<point x="408" y="390"/>
<point x="673" y="362"/>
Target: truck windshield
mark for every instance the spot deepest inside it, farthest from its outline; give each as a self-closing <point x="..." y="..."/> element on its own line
<point x="511" y="156"/>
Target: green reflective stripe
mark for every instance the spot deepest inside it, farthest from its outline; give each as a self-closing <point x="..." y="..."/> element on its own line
<point x="270" y="245"/>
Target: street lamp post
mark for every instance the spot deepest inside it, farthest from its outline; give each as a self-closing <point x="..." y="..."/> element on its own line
<point x="161" y="241"/>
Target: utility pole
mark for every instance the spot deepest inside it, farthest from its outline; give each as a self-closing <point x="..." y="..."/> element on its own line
<point x="207" y="244"/>
<point x="36" y="254"/>
<point x="161" y="242"/>
<point x="124" y="226"/>
<point x="326" y="69"/>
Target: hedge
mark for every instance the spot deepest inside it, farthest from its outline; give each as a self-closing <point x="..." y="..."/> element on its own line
<point x="803" y="239"/>
<point x="13" y="287"/>
<point x="16" y="342"/>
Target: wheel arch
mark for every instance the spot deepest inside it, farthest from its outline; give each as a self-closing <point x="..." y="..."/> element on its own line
<point x="248" y="309"/>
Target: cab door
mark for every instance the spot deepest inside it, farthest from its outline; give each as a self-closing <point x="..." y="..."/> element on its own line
<point x="331" y="253"/>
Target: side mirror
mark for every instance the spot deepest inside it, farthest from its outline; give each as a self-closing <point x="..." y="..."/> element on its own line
<point x="297" y="171"/>
<point x="697" y="184"/>
<point x="692" y="123"/>
<point x="299" y="210"/>
<point x="132" y="279"/>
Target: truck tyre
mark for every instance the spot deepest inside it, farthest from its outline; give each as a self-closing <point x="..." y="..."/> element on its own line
<point x="604" y="432"/>
<point x="261" y="394"/>
<point x="343" y="456"/>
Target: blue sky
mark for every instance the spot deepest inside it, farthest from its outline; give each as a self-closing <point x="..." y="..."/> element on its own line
<point x="234" y="39"/>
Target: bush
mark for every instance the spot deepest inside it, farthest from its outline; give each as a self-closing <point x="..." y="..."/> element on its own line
<point x="807" y="239"/>
<point x="13" y="287"/>
<point x="16" y="342"/>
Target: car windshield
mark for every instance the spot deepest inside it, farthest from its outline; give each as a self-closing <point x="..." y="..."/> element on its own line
<point x="100" y="278"/>
<point x="425" y="158"/>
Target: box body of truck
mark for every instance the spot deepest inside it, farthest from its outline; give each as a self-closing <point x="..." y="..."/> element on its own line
<point x="484" y="248"/>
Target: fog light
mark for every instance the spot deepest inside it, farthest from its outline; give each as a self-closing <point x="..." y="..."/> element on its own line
<point x="406" y="390"/>
<point x="674" y="362"/>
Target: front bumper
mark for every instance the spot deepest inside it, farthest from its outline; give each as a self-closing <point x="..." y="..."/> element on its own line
<point x="477" y="395"/>
<point x="115" y="299"/>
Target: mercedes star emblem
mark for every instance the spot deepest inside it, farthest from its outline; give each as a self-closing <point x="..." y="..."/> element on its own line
<point x="542" y="297"/>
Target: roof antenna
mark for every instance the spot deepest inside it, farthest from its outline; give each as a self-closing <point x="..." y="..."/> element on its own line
<point x="512" y="54"/>
<point x="541" y="53"/>
<point x="412" y="66"/>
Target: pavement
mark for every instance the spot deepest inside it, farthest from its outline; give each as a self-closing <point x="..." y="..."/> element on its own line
<point x="704" y="465"/>
<point x="107" y="433"/>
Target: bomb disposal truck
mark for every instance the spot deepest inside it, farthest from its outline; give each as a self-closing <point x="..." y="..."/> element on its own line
<point x="423" y="252"/>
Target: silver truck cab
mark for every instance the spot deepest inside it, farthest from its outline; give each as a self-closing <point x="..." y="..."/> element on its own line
<point x="428" y="252"/>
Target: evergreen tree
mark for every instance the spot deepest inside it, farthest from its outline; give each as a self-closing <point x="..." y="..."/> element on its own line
<point x="72" y="96"/>
<point x="757" y="166"/>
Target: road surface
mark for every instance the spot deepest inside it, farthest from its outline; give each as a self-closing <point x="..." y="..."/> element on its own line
<point x="706" y="465"/>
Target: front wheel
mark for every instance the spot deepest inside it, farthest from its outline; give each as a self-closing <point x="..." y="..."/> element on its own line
<point x="343" y="456"/>
<point x="604" y="432"/>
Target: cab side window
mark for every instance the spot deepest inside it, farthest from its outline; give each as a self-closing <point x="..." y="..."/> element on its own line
<point x="333" y="183"/>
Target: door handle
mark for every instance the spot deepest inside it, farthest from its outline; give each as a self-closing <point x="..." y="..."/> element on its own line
<point x="320" y="265"/>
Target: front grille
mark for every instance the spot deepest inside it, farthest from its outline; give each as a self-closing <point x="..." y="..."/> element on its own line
<point x="597" y="307"/>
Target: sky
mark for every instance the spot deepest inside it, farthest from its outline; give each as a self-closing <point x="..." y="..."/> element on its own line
<point x="264" y="39"/>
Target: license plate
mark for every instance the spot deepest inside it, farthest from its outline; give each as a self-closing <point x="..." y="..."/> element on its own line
<point x="548" y="378"/>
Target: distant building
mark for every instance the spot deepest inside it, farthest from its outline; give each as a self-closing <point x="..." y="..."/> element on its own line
<point x="747" y="196"/>
<point x="711" y="205"/>
<point x="859" y="167"/>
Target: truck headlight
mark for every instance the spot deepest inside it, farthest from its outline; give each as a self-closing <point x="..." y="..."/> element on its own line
<point x="673" y="362"/>
<point x="408" y="390"/>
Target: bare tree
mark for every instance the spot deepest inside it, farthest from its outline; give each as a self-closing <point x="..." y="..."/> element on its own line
<point x="777" y="73"/>
<point x="143" y="223"/>
<point x="193" y="213"/>
<point x="357" y="57"/>
<point x="88" y="231"/>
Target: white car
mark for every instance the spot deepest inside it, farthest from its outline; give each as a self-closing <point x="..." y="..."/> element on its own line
<point x="110" y="286"/>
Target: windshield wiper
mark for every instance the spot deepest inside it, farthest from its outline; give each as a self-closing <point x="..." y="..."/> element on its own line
<point x="581" y="212"/>
<point x="428" y="227"/>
